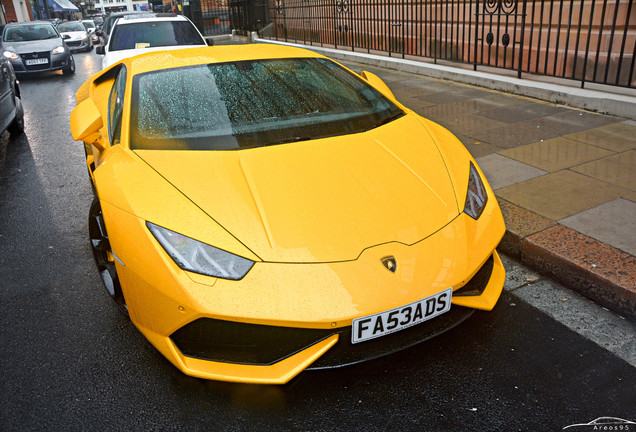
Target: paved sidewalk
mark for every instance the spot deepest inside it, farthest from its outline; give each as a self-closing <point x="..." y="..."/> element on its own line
<point x="565" y="180"/>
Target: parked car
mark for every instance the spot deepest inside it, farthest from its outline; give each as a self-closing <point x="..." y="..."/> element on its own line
<point x="90" y="27"/>
<point x="36" y="46"/>
<point x="260" y="209"/>
<point x="97" y="19"/>
<point x="11" y="111"/>
<point x="75" y="35"/>
<point x="136" y="34"/>
<point x="89" y="24"/>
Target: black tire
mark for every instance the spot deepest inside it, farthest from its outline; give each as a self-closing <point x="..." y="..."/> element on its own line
<point x="17" y="125"/>
<point x="103" y="254"/>
<point x="70" y="69"/>
<point x="89" y="171"/>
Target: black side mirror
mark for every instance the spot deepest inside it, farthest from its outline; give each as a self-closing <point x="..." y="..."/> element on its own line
<point x="66" y="37"/>
<point x="99" y="49"/>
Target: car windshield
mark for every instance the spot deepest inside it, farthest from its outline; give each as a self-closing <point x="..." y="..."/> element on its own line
<point x="154" y="34"/>
<point x="31" y="32"/>
<point x="71" y="26"/>
<point x="245" y="104"/>
<point x="88" y="24"/>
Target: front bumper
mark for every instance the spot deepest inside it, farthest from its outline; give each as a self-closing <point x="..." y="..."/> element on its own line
<point x="79" y="45"/>
<point x="283" y="318"/>
<point x="54" y="62"/>
<point x="260" y="345"/>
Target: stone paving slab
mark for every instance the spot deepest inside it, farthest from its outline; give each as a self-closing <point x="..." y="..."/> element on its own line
<point x="565" y="180"/>
<point x="476" y="148"/>
<point x="560" y="194"/>
<point x="616" y="137"/>
<point x="612" y="223"/>
<point x="557" y="153"/>
<point x="618" y="169"/>
<point x="503" y="171"/>
<point x="523" y="112"/>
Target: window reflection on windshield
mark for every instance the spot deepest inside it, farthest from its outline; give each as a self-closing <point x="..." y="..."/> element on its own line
<point x="70" y="26"/>
<point x="29" y="33"/>
<point x="252" y="103"/>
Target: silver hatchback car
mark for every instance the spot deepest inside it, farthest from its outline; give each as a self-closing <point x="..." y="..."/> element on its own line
<point x="36" y="46"/>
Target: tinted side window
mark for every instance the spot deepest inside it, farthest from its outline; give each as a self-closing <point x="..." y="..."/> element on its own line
<point x="116" y="107"/>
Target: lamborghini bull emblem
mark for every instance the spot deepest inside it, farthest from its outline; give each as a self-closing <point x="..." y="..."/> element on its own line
<point x="390" y="263"/>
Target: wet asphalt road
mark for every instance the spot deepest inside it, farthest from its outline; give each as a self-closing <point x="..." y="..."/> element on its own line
<point x="69" y="360"/>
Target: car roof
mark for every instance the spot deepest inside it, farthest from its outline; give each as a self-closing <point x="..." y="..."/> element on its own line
<point x="28" y="23"/>
<point x="69" y="21"/>
<point x="130" y="19"/>
<point x="120" y="14"/>
<point x="110" y="19"/>
<point x="153" y="15"/>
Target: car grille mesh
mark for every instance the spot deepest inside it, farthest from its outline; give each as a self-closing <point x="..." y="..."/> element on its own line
<point x="37" y="55"/>
<point x="40" y="54"/>
<point x="232" y="342"/>
<point x="477" y="284"/>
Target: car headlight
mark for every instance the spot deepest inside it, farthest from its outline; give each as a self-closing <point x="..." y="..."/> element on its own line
<point x="58" y="50"/>
<point x="476" y="197"/>
<point x="197" y="257"/>
<point x="11" y="55"/>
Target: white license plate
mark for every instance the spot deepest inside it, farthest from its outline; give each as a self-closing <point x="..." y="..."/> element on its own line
<point x="391" y="321"/>
<point x="36" y="61"/>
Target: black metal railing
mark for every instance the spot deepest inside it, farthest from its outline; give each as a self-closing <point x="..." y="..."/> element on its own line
<point x="212" y="17"/>
<point x="585" y="40"/>
<point x="249" y="15"/>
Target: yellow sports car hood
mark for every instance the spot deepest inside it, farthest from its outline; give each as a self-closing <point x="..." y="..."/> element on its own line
<point x="322" y="200"/>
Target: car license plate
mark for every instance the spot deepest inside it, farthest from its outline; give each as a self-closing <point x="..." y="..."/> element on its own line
<point x="36" y="61"/>
<point x="391" y="321"/>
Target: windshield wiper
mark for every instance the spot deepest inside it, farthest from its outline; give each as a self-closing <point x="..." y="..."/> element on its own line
<point x="292" y="139"/>
<point x="387" y="120"/>
<point x="281" y="141"/>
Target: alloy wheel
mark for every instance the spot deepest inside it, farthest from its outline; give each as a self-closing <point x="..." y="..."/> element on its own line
<point x="103" y="254"/>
